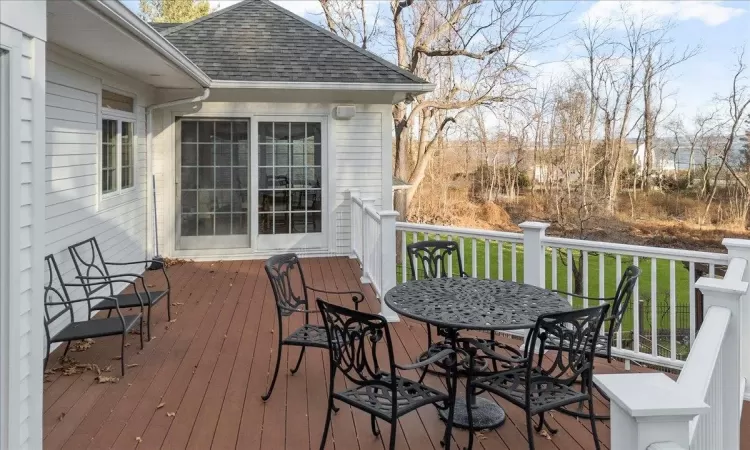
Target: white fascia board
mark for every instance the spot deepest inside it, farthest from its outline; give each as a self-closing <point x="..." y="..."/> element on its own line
<point x="124" y="17"/>
<point x="383" y="87"/>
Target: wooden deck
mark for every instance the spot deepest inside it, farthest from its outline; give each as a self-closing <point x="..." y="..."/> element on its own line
<point x="197" y="384"/>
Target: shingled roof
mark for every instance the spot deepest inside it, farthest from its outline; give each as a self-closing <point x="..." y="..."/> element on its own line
<point x="256" y="40"/>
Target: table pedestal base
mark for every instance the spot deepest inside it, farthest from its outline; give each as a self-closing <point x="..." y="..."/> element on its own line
<point x="485" y="414"/>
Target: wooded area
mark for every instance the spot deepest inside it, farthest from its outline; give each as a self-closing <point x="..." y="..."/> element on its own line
<point x="596" y="141"/>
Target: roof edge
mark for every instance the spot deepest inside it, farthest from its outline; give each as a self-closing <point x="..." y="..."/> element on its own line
<point x="410" y="88"/>
<point x="122" y="15"/>
<point x="362" y="51"/>
<point x="203" y="19"/>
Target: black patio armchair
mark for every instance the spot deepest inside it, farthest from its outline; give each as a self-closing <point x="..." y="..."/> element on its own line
<point x="353" y="337"/>
<point x="290" y="291"/>
<point x="539" y="382"/>
<point x="93" y="271"/>
<point x="58" y="304"/>
<point x="431" y="259"/>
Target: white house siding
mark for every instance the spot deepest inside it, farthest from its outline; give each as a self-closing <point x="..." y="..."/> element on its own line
<point x="23" y="34"/>
<point x="359" y="149"/>
<point x="74" y="209"/>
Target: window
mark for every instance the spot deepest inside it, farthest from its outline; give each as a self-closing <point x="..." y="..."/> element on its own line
<point x="118" y="143"/>
<point x="290" y="178"/>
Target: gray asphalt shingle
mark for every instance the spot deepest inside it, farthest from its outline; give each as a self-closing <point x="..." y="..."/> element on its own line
<point x="256" y="40"/>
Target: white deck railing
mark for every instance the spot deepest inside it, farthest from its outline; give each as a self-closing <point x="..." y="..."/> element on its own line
<point x="702" y="409"/>
<point x="666" y="288"/>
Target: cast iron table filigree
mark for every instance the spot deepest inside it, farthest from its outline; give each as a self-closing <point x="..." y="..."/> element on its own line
<point x="473" y="304"/>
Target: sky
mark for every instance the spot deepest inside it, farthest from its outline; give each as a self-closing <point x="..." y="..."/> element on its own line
<point x="717" y="28"/>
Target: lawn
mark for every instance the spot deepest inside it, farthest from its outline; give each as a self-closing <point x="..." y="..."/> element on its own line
<point x="476" y="263"/>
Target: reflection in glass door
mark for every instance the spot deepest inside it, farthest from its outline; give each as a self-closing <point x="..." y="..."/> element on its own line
<point x="213" y="184"/>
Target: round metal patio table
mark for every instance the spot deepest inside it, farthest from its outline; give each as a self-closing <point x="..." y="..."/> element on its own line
<point x="474" y="304"/>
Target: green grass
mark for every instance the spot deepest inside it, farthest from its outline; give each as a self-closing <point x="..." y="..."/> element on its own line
<point x="596" y="263"/>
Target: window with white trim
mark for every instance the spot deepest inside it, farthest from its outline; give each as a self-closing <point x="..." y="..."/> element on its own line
<point x="118" y="143"/>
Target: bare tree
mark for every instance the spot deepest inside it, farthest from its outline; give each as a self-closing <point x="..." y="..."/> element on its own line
<point x="738" y="104"/>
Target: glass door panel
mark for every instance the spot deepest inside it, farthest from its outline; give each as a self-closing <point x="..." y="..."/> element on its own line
<point x="290" y="182"/>
<point x="213" y="188"/>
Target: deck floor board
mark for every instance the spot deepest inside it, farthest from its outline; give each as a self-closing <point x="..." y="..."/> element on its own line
<point x="211" y="365"/>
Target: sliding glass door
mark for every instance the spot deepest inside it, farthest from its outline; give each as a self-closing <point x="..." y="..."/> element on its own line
<point x="213" y="183"/>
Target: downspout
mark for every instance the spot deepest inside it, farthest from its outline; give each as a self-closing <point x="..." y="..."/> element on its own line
<point x="150" y="154"/>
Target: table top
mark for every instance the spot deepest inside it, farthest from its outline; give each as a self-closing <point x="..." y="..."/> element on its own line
<point x="474" y="304"/>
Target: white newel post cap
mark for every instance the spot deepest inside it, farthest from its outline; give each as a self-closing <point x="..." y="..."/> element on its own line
<point x="646" y="408"/>
<point x="531" y="225"/>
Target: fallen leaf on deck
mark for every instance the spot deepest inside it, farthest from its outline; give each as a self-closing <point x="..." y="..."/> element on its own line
<point x="177" y="303"/>
<point x="131" y="365"/>
<point x="150" y="285"/>
<point x="107" y="369"/>
<point x="104" y="379"/>
<point x="170" y="414"/>
<point x="83" y="345"/>
<point x="127" y="345"/>
<point x="160" y="405"/>
<point x="173" y="321"/>
<point x="47" y="379"/>
<point x="546" y="435"/>
<point x="138" y="440"/>
<point x="117" y="358"/>
<point x="70" y="371"/>
<point x="61" y="417"/>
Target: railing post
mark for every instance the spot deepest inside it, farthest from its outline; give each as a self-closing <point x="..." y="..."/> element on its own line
<point x="533" y="252"/>
<point x="387" y="261"/>
<point x="646" y="408"/>
<point x="355" y="233"/>
<point x="366" y="258"/>
<point x="740" y="248"/>
<point x="729" y="293"/>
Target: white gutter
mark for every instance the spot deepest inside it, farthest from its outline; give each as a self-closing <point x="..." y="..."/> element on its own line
<point x="383" y="87"/>
<point x="150" y="153"/>
<point x="124" y="17"/>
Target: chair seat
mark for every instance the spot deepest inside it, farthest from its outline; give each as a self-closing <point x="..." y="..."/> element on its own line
<point x="129" y="301"/>
<point x="546" y="393"/>
<point x="95" y="328"/>
<point x="309" y="336"/>
<point x="377" y="399"/>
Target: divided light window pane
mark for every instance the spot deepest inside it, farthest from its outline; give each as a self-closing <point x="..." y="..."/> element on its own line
<point x="290" y="177"/>
<point x="109" y="156"/>
<point x="127" y="155"/>
<point x="113" y="100"/>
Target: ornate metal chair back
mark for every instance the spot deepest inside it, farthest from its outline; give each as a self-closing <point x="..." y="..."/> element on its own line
<point x="288" y="283"/>
<point x="56" y="298"/>
<point x="623" y="297"/>
<point x="430" y="259"/>
<point x="353" y="337"/>
<point x="89" y="262"/>
<point x="574" y="334"/>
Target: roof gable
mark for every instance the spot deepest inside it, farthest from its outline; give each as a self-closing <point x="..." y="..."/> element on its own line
<point x="256" y="40"/>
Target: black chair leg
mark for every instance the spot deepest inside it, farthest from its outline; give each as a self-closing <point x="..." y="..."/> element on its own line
<point x="67" y="347"/>
<point x="394" y="428"/>
<point x="451" y="408"/>
<point x="592" y="418"/>
<point x="299" y="360"/>
<point x="169" y="305"/>
<point x="374" y="426"/>
<point x="141" y="332"/>
<point x="109" y="314"/>
<point x="328" y="423"/>
<point x="148" y="324"/>
<point x="469" y="395"/>
<point x="46" y="355"/>
<point x="122" y="353"/>
<point x="529" y="429"/>
<point x="267" y="395"/>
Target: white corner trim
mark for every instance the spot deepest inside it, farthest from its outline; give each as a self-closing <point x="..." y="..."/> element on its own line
<point x="125" y="18"/>
<point x="383" y="87"/>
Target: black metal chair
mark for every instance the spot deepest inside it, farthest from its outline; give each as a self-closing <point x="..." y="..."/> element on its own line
<point x="290" y="292"/>
<point x="57" y="304"/>
<point x="538" y="383"/>
<point x="353" y="337"/>
<point x="620" y="303"/>
<point x="94" y="272"/>
<point x="433" y="257"/>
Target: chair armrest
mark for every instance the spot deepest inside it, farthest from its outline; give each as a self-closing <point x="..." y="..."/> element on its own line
<point x="431" y="360"/>
<point x="81" y="300"/>
<point x="292" y="310"/>
<point x="132" y="263"/>
<point x="357" y="296"/>
<point x="488" y="351"/>
<point x="601" y="299"/>
<point x="110" y="277"/>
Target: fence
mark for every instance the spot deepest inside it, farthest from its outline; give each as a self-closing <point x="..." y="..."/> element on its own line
<point x="666" y="289"/>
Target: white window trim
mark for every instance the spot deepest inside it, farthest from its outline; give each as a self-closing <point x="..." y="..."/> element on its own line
<point x="119" y="196"/>
<point x="5" y="266"/>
